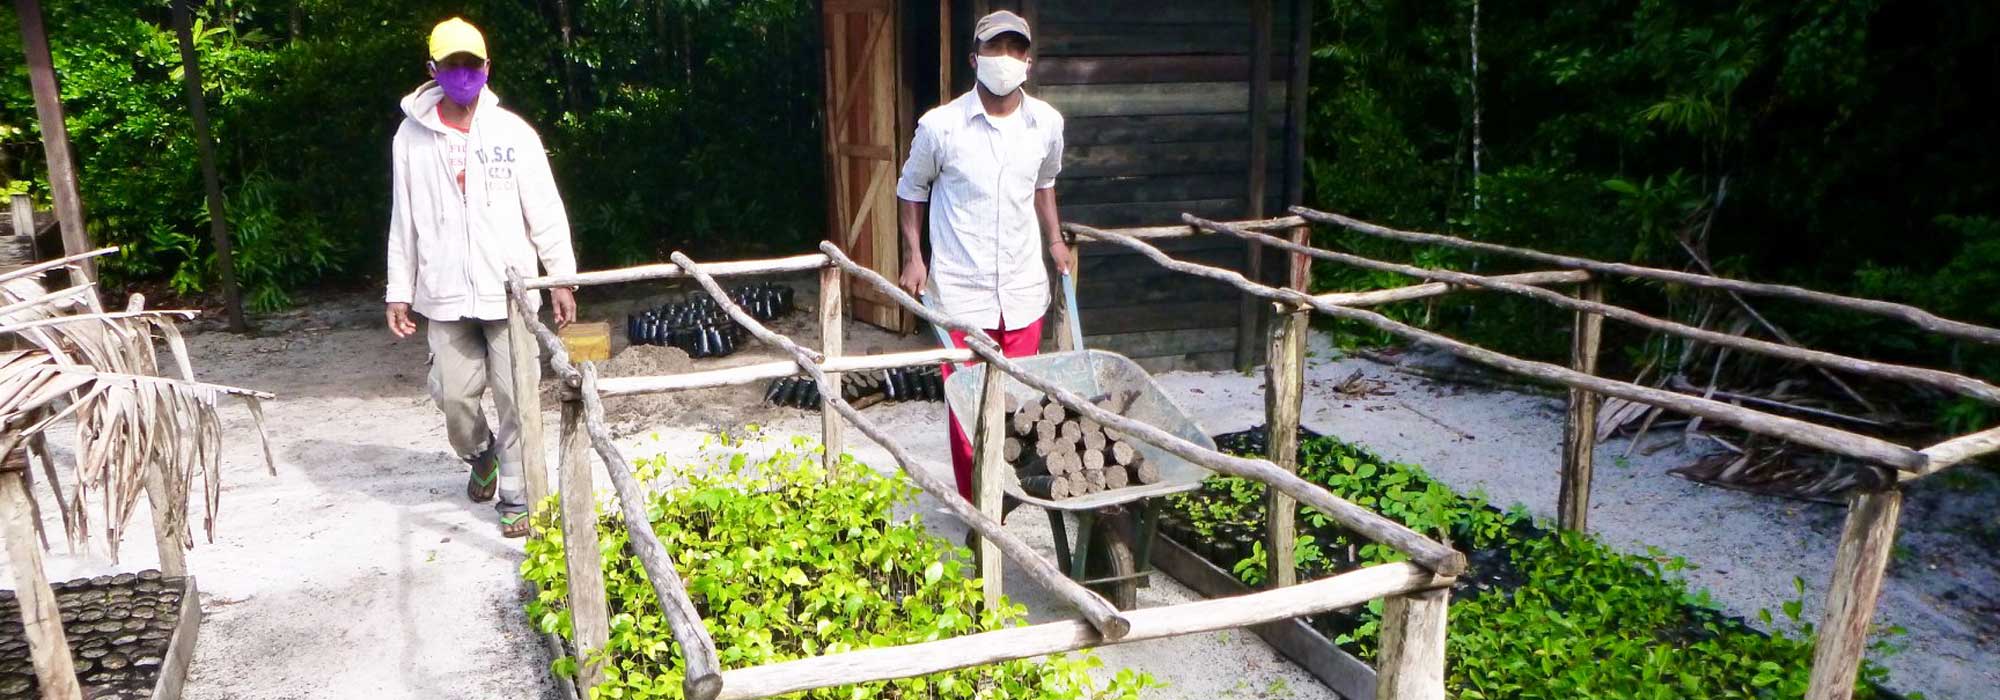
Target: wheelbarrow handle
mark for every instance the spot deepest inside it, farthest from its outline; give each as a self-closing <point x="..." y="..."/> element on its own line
<point x="1069" y="307"/>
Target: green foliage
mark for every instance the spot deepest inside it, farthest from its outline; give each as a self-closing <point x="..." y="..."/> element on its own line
<point x="1851" y="129"/>
<point x="1584" y="621"/>
<point x="684" y="127"/>
<point x="784" y="563"/>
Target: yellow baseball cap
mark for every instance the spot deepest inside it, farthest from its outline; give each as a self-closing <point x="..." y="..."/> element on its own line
<point x="456" y="36"/>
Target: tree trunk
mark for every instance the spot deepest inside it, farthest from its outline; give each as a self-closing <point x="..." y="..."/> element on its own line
<point x="218" y="221"/>
<point x="571" y="95"/>
<point x="55" y="135"/>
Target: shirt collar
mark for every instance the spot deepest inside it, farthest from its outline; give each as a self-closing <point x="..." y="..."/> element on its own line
<point x="969" y="103"/>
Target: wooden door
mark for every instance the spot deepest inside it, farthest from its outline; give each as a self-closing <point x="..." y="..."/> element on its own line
<point x="863" y="146"/>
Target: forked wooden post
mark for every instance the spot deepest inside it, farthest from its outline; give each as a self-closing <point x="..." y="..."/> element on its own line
<point x="168" y="532"/>
<point x="1284" y="384"/>
<point x="527" y="400"/>
<point x="40" y="619"/>
<point x="1284" y="395"/>
<point x="1859" y="566"/>
<point x="588" y="609"/>
<point x="1580" y="429"/>
<point x="831" y="340"/>
<point x="986" y="465"/>
<point x="1410" y="665"/>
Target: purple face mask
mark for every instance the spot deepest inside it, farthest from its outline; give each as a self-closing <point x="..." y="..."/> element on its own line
<point x="462" y="84"/>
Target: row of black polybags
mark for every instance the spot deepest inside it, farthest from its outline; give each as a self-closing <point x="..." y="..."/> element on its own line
<point x="915" y="383"/>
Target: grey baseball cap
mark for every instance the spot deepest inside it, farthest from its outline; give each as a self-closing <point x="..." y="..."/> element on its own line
<point x="1000" y="23"/>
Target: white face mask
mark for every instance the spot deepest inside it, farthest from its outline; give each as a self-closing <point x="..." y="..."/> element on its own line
<point x="1001" y="74"/>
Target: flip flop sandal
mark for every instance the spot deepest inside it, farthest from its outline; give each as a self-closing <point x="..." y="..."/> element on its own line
<point x="485" y="478"/>
<point x="514" y="524"/>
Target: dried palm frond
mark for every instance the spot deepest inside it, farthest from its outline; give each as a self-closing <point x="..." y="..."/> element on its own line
<point x="61" y="356"/>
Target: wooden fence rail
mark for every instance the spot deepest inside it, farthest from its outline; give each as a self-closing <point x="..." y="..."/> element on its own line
<point x="1431" y="569"/>
<point x="1909" y="314"/>
<point x="1871" y="519"/>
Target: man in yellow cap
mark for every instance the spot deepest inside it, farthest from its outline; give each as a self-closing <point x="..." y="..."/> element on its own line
<point x="473" y="199"/>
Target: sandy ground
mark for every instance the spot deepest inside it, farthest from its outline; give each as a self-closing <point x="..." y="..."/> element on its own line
<point x="361" y="571"/>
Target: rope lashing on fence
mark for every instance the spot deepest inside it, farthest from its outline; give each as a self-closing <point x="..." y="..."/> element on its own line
<point x="1830" y="439"/>
<point x="1107" y="620"/>
<point x="703" y="680"/>
<point x="1424" y="551"/>
<point x="1947" y="381"/>
<point x="1910" y="314"/>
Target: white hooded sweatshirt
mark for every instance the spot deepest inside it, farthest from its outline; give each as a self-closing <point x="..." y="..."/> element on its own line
<point x="449" y="253"/>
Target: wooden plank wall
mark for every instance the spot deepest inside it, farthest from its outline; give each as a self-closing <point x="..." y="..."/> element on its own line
<point x="1156" y="97"/>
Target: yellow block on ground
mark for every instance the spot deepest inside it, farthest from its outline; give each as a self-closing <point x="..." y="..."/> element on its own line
<point x="587" y="342"/>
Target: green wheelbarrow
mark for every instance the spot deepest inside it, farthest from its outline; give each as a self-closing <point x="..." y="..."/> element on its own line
<point x="1113" y="559"/>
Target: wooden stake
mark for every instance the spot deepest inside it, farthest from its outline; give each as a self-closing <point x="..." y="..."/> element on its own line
<point x="1859" y="565"/>
<point x="169" y="531"/>
<point x="41" y="620"/>
<point x="1580" y="430"/>
<point x="832" y="333"/>
<point x="1284" y="395"/>
<point x="589" y="610"/>
<point x="987" y="463"/>
<point x="55" y="136"/>
<point x="528" y="401"/>
<point x="1411" y="663"/>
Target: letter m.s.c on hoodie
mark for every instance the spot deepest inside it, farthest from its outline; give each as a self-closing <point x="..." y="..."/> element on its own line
<point x="449" y="254"/>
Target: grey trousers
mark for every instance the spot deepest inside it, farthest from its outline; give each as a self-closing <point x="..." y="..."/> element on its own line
<point x="469" y="357"/>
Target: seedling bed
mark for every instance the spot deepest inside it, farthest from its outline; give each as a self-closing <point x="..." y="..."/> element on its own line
<point x="1215" y="564"/>
<point x="130" y="636"/>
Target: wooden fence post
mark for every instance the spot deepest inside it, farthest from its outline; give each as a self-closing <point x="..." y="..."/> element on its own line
<point x="1580" y="429"/>
<point x="24" y="225"/>
<point x="1410" y="665"/>
<point x="1859" y="566"/>
<point x="169" y="532"/>
<point x="589" y="611"/>
<point x="831" y="342"/>
<point x="1284" y="395"/>
<point x="986" y="465"/>
<point x="41" y="620"/>
<point x="528" y="401"/>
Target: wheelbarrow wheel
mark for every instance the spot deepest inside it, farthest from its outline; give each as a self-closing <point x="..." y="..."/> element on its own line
<point x="1111" y="555"/>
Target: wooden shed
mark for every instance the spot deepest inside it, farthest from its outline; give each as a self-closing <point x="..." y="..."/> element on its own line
<point x="1158" y="98"/>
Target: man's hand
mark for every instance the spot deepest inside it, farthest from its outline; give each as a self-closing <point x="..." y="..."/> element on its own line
<point x="564" y="302"/>
<point x="1059" y="252"/>
<point x="913" y="277"/>
<point x="400" y="324"/>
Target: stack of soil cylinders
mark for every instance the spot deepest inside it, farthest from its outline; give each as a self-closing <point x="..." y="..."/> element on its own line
<point x="1058" y="456"/>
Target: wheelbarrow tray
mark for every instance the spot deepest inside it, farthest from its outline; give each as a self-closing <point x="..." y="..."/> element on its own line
<point x="1092" y="373"/>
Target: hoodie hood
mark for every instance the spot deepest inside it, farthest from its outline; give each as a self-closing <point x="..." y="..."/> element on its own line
<point x="421" y="105"/>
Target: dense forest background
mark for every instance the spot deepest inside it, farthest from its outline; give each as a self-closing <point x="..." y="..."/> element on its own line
<point x="1841" y="145"/>
<point x="670" y="123"/>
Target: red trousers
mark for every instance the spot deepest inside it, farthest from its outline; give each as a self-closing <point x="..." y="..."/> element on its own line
<point x="1020" y="342"/>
